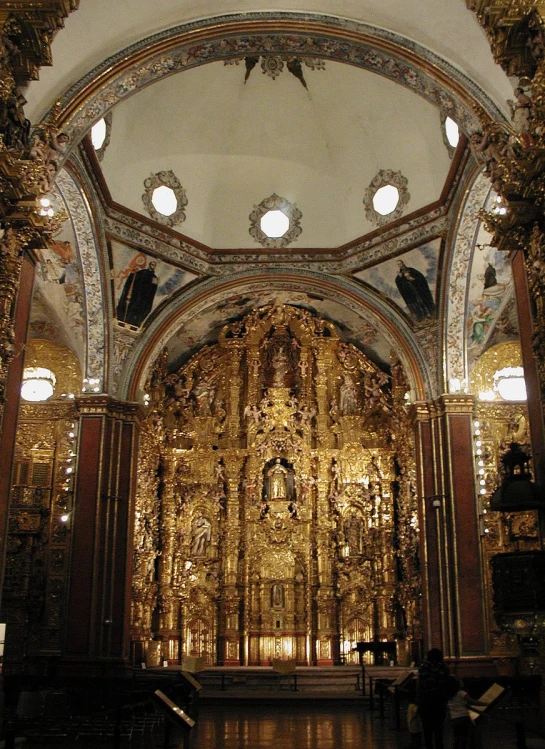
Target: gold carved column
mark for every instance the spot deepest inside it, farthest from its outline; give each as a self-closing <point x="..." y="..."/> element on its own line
<point x="233" y="422"/>
<point x="326" y="605"/>
<point x="166" y="604"/>
<point x="229" y="635"/>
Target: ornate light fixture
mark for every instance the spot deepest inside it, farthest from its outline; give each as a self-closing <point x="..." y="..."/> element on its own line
<point x="38" y="384"/>
<point x="510" y="384"/>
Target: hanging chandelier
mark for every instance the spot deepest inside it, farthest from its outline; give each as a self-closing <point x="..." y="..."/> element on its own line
<point x="38" y="384"/>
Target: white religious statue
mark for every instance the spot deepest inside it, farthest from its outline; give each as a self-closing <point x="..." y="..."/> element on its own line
<point x="277" y="596"/>
<point x="278" y="481"/>
<point x="348" y="396"/>
<point x="352" y="534"/>
<point x="202" y="532"/>
<point x="280" y="367"/>
<point x="203" y="393"/>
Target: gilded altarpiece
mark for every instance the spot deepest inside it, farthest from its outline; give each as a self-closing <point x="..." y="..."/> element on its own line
<point x="38" y="546"/>
<point x="496" y="426"/>
<point x="276" y="511"/>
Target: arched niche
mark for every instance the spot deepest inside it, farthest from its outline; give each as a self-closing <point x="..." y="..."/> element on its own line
<point x="200" y="301"/>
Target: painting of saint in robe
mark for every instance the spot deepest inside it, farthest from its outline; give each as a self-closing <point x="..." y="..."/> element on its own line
<point x="138" y="292"/>
<point x="414" y="289"/>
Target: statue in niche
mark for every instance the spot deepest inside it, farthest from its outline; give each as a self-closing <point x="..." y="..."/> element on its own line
<point x="280" y="366"/>
<point x="202" y="532"/>
<point x="348" y="396"/>
<point x="353" y="535"/>
<point x="278" y="481"/>
<point x="293" y="508"/>
<point x="277" y="596"/>
<point x="203" y="392"/>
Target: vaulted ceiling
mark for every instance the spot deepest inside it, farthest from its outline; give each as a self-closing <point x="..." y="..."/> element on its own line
<point x="233" y="139"/>
<point x="233" y="143"/>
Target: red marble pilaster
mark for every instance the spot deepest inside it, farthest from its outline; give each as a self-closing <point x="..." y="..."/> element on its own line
<point x="452" y="590"/>
<point x="102" y="531"/>
<point x="463" y="528"/>
<point x="431" y="596"/>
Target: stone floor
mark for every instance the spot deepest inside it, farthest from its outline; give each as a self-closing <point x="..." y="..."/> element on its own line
<point x="284" y="725"/>
<point x="314" y="726"/>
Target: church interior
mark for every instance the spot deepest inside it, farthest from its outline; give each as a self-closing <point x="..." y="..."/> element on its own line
<point x="272" y="339"/>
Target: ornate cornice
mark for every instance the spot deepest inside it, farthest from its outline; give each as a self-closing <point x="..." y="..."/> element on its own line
<point x="27" y="28"/>
<point x="232" y="36"/>
<point x="510" y="26"/>
<point x="104" y="405"/>
<point x="459" y="403"/>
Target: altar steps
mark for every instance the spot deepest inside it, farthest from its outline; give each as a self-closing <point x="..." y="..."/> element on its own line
<point x="263" y="683"/>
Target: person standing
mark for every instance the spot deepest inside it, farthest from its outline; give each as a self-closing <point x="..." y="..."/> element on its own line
<point x="458" y="703"/>
<point x="414" y="724"/>
<point x="432" y="683"/>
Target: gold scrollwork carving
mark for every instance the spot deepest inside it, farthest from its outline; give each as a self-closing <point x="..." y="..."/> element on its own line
<point x="268" y="519"/>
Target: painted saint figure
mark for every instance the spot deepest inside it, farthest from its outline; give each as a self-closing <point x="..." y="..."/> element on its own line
<point x="490" y="276"/>
<point x="137" y="296"/>
<point x="414" y="289"/>
<point x="202" y="532"/>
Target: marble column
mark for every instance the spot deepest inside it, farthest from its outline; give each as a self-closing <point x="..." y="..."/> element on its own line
<point x="98" y="609"/>
<point x="453" y="595"/>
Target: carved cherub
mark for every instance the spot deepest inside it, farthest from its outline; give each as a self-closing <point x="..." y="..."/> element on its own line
<point x="482" y="143"/>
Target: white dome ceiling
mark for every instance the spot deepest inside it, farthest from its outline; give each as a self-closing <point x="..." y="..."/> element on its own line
<point x="232" y="144"/>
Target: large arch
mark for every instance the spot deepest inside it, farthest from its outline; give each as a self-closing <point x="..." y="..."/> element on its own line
<point x="226" y="37"/>
<point x="363" y="301"/>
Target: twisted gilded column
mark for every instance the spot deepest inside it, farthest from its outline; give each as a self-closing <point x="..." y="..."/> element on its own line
<point x="326" y="602"/>
<point x="230" y="596"/>
<point x="233" y="420"/>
